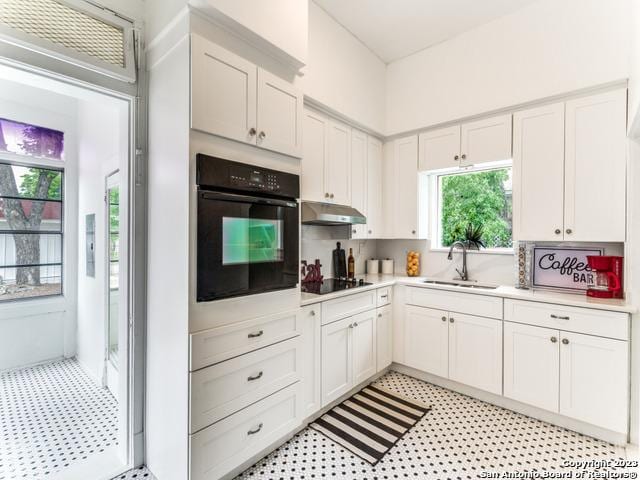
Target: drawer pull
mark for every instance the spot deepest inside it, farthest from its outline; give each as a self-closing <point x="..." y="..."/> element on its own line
<point x="255" y="430"/>
<point x="565" y="341"/>
<point x="384" y="296"/>
<point x="256" y="335"/>
<point x="554" y="339"/>
<point x="559" y="317"/>
<point x="255" y="377"/>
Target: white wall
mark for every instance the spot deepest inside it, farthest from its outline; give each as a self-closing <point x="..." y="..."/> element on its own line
<point x="547" y="48"/>
<point x="342" y="74"/>
<point x="634" y="66"/>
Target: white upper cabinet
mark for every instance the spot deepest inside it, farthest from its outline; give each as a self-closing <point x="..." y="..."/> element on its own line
<point x="337" y="167"/>
<point x="315" y="145"/>
<point x="486" y="140"/>
<point x="439" y="148"/>
<point x="595" y="168"/>
<point x="472" y="143"/>
<point x="359" y="179"/>
<point x="223" y="92"/>
<point x="279" y="115"/>
<point x="374" y="188"/>
<point x="233" y="98"/>
<point x="538" y="173"/>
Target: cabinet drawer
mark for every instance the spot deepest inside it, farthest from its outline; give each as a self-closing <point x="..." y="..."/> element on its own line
<point x="220" y="448"/>
<point x="221" y="343"/>
<point x="480" y="305"/>
<point x="383" y="296"/>
<point x="571" y="319"/>
<point x="347" y="306"/>
<point x="225" y="388"/>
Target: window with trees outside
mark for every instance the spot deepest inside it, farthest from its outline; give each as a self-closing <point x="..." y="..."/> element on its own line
<point x="31" y="212"/>
<point x="475" y="207"/>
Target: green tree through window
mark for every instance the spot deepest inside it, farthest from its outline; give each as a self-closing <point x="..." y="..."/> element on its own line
<point x="482" y="199"/>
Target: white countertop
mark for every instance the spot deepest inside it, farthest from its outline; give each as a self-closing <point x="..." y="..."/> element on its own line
<point x="503" y="291"/>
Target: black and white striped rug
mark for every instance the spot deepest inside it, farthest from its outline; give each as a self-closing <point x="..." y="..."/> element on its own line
<point x="370" y="422"/>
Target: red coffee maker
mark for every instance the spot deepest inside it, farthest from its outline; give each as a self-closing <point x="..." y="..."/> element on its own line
<point x="606" y="278"/>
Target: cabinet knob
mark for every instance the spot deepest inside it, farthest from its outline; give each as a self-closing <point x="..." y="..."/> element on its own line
<point x="413" y="232"/>
<point x="569" y="231"/>
<point x="252" y="131"/>
<point x="558" y="231"/>
<point x="370" y="232"/>
<point x="452" y="320"/>
<point x="326" y="195"/>
<point x="456" y="157"/>
<point x="444" y="319"/>
<point x="355" y="324"/>
<point x="261" y="135"/>
<point x="379" y="315"/>
<point x="355" y="231"/>
<point x="565" y="341"/>
<point x="464" y="155"/>
<point x="554" y="339"/>
<point x="351" y="325"/>
<point x="312" y="313"/>
<point x="331" y="195"/>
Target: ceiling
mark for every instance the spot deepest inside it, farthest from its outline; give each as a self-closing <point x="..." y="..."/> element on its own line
<point x="393" y="29"/>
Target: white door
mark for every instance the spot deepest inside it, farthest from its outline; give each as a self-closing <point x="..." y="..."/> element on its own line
<point x="374" y="188"/>
<point x="405" y="214"/>
<point x="475" y="351"/>
<point x="595" y="168"/>
<point x="311" y="319"/>
<point x="426" y="340"/>
<point x="223" y="92"/>
<point x="384" y="336"/>
<point x="279" y="115"/>
<point x="115" y="323"/>
<point x="337" y="365"/>
<point x="364" y="346"/>
<point x="359" y="179"/>
<point x="486" y="140"/>
<point x="337" y="165"/>
<point x="315" y="150"/>
<point x="594" y="376"/>
<point x="439" y="148"/>
<point x="532" y="365"/>
<point x="538" y="173"/>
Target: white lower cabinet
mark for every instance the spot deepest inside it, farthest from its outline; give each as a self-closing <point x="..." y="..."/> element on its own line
<point x="310" y="345"/>
<point x="426" y="340"/>
<point x="594" y="378"/>
<point x="337" y="365"/>
<point x="364" y="346"/>
<point x="475" y="351"/>
<point x="531" y="365"/>
<point x="384" y="335"/>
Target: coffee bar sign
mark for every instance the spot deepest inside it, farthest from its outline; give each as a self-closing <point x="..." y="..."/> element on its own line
<point x="562" y="268"/>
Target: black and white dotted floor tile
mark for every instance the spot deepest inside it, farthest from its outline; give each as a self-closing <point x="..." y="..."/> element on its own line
<point x="460" y="438"/>
<point x="50" y="417"/>
<point x="141" y="473"/>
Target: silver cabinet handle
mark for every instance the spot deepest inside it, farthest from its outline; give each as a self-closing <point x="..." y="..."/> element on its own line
<point x="384" y="296"/>
<point x="559" y="317"/>
<point x="252" y="131"/>
<point x="444" y="319"/>
<point x="554" y="339"/>
<point x="255" y="377"/>
<point x="261" y="135"/>
<point x="452" y="320"/>
<point x="558" y="231"/>
<point x="255" y="335"/>
<point x="565" y="341"/>
<point x="255" y="430"/>
<point x="569" y="231"/>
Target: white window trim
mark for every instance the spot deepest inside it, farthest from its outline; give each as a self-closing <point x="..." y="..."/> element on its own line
<point x="435" y="201"/>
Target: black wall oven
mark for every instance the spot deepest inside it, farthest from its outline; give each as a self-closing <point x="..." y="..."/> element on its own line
<point x="248" y="225"/>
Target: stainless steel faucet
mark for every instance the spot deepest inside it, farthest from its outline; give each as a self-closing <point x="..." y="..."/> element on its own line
<point x="464" y="275"/>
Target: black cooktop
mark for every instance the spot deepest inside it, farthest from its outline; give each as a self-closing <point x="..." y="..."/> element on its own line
<point x="330" y="285"/>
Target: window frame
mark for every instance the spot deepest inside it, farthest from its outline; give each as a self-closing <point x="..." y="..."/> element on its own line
<point x="34" y="162"/>
<point x="435" y="202"/>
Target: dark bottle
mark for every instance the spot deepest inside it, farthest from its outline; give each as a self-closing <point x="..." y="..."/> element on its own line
<point x="351" y="265"/>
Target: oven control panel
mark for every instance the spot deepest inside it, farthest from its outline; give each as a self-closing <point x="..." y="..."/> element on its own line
<point x="255" y="179"/>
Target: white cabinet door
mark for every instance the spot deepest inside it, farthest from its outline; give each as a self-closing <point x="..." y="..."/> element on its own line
<point x="223" y="92"/>
<point x="475" y="351"/>
<point x="310" y="346"/>
<point x="337" y="164"/>
<point x="538" y="173"/>
<point x="532" y="365"/>
<point x="384" y="335"/>
<point x="439" y="148"/>
<point x="595" y="166"/>
<point x="486" y="140"/>
<point x="315" y="143"/>
<point x="374" y="188"/>
<point x="279" y="115"/>
<point x="359" y="179"/>
<point x="405" y="210"/>
<point x="426" y="339"/>
<point x="337" y="365"/>
<point x="594" y="376"/>
<point x="365" y="346"/>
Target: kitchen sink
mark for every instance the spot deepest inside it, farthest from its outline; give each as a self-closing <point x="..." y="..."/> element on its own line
<point x="461" y="284"/>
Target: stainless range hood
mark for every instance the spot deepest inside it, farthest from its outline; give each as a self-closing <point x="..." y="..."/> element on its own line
<point x="315" y="213"/>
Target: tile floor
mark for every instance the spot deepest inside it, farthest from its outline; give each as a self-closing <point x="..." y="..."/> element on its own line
<point x="141" y="473"/>
<point x="50" y="416"/>
<point x="460" y="438"/>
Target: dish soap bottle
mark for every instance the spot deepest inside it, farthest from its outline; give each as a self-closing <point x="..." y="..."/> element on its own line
<point x="351" y="265"/>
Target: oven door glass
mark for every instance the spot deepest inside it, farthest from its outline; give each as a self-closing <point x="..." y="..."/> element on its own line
<point x="246" y="245"/>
